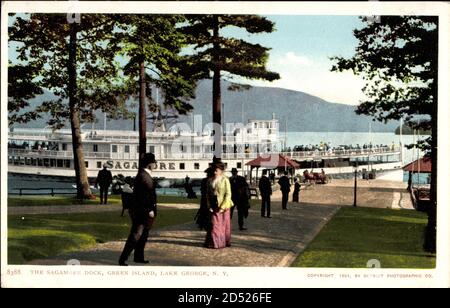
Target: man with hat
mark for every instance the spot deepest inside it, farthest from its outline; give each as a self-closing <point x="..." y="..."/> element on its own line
<point x="240" y="196"/>
<point x="265" y="189"/>
<point x="285" y="187"/>
<point x="142" y="211"/>
<point x="104" y="180"/>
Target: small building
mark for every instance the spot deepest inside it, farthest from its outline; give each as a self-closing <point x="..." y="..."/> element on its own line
<point x="420" y="194"/>
<point x="422" y="165"/>
<point x="272" y="162"/>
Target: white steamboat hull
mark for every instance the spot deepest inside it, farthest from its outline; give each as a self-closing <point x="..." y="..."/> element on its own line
<point x="178" y="154"/>
<point x="171" y="169"/>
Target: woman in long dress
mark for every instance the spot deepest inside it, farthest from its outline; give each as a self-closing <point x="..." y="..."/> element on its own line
<point x="203" y="218"/>
<point x="219" y="204"/>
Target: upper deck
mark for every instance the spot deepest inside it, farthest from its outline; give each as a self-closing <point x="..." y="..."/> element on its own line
<point x="299" y="156"/>
<point x="246" y="142"/>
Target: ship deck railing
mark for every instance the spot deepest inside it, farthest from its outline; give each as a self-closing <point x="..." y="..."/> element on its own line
<point x="343" y="153"/>
<point x="299" y="155"/>
<point x="55" y="154"/>
<point x="42" y="191"/>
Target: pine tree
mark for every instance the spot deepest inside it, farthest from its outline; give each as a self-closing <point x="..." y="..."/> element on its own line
<point x="75" y="61"/>
<point x="152" y="45"/>
<point x="215" y="54"/>
<point x="398" y="58"/>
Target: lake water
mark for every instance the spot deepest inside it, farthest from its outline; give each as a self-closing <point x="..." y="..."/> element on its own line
<point x="293" y="139"/>
<point x="66" y="186"/>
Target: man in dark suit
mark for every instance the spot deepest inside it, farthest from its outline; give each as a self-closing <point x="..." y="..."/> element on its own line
<point x="265" y="189"/>
<point x="142" y="211"/>
<point x="285" y="187"/>
<point x="240" y="195"/>
<point x="104" y="180"/>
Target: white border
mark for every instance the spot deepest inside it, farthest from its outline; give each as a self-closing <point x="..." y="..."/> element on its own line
<point x="242" y="277"/>
<point x="443" y="235"/>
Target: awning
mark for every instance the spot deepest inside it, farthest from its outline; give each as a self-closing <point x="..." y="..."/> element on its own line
<point x="422" y="165"/>
<point x="272" y="161"/>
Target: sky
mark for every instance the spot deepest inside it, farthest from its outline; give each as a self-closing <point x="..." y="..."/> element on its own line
<point x="300" y="51"/>
<point x="301" y="48"/>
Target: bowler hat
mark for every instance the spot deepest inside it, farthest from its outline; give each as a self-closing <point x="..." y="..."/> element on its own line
<point x="234" y="170"/>
<point x="148" y="158"/>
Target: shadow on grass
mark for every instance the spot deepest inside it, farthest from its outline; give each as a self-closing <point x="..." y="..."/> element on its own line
<point x="23" y="201"/>
<point x="356" y="235"/>
<point x="29" y="247"/>
<point x="45" y="235"/>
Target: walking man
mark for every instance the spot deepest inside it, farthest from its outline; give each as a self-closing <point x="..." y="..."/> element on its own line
<point x="142" y="211"/>
<point x="285" y="187"/>
<point x="188" y="188"/>
<point x="265" y="189"/>
<point x="104" y="180"/>
<point x="272" y="177"/>
<point x="240" y="196"/>
<point x="296" y="194"/>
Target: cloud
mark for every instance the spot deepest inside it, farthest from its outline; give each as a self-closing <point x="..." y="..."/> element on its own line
<point x="344" y="88"/>
<point x="316" y="79"/>
<point x="290" y="58"/>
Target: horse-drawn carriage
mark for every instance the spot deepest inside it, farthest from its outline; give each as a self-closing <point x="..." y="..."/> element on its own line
<point x="315" y="177"/>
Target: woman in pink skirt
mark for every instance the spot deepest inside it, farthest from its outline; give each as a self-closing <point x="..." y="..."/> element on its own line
<point x="219" y="204"/>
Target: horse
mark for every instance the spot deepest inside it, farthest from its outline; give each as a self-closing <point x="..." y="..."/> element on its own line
<point x="315" y="177"/>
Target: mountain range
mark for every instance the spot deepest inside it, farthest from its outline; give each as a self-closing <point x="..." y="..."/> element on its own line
<point x="300" y="111"/>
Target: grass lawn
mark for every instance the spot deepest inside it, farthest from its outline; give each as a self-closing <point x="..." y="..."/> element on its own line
<point x="357" y="235"/>
<point x="42" y="235"/>
<point x="71" y="200"/>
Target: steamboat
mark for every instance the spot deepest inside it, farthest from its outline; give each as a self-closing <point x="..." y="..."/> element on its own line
<point x="182" y="153"/>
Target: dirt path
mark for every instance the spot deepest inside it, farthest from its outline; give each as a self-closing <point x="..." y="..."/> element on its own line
<point x="372" y="193"/>
<point x="267" y="242"/>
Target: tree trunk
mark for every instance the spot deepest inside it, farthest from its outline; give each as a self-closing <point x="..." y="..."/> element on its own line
<point x="83" y="190"/>
<point x="142" y="114"/>
<point x="430" y="232"/>
<point x="217" y="98"/>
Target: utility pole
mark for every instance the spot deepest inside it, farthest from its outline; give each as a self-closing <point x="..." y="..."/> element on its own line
<point x="356" y="185"/>
<point x="285" y="137"/>
<point x="401" y="140"/>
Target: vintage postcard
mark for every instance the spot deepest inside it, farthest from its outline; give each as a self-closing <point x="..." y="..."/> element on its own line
<point x="224" y="144"/>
